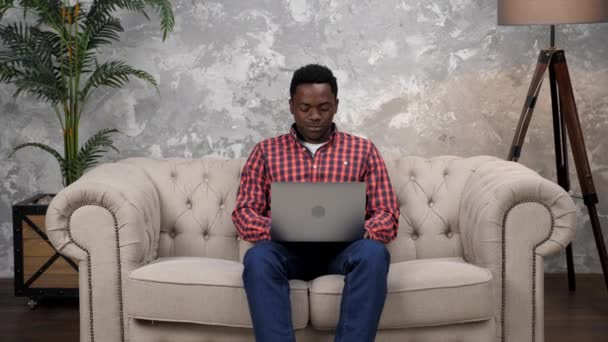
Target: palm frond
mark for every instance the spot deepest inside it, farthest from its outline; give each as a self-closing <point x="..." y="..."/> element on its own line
<point x="28" y="61"/>
<point x="92" y="150"/>
<point x="48" y="11"/>
<point x="39" y="145"/>
<point x="17" y="40"/>
<point x="5" y="5"/>
<point x="28" y="45"/>
<point x="165" y="13"/>
<point x="8" y="72"/>
<point x="114" y="74"/>
<point x="42" y="88"/>
<point x="103" y="32"/>
<point x="96" y="33"/>
<point x="103" y="8"/>
<point x="49" y="40"/>
<point x="52" y="151"/>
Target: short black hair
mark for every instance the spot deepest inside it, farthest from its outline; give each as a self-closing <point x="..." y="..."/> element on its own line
<point x="313" y="73"/>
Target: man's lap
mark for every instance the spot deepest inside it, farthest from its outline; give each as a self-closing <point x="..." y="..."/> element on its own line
<point x="309" y="260"/>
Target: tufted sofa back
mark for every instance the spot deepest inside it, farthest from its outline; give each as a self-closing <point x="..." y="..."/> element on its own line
<point x="197" y="197"/>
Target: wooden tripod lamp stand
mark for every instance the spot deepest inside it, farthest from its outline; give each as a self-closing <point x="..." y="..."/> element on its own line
<point x="566" y="122"/>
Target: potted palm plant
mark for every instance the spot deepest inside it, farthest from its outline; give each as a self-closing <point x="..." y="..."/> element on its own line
<point x="52" y="54"/>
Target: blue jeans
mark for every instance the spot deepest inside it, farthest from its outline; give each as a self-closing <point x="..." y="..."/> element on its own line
<point x="269" y="265"/>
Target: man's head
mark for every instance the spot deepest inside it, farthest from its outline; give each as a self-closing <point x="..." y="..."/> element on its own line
<point x="314" y="101"/>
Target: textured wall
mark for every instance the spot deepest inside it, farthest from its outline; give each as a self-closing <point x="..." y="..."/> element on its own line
<point x="417" y="77"/>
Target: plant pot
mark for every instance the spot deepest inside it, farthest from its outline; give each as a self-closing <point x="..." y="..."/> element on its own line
<point x="40" y="271"/>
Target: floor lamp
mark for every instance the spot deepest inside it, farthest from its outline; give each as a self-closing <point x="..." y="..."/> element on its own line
<point x="565" y="115"/>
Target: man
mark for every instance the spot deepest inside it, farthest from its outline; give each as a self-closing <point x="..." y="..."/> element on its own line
<point x="314" y="151"/>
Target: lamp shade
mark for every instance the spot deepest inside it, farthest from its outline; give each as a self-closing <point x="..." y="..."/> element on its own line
<point x="551" y="12"/>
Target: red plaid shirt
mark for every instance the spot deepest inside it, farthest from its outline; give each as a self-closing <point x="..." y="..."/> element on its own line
<point x="344" y="158"/>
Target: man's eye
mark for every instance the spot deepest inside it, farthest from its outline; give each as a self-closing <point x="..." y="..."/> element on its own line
<point x="304" y="109"/>
<point x="325" y="109"/>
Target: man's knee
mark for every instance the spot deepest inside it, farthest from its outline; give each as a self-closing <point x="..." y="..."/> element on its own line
<point x="372" y="252"/>
<point x="263" y="257"/>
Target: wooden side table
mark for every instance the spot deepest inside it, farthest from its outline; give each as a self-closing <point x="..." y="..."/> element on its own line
<point x="40" y="271"/>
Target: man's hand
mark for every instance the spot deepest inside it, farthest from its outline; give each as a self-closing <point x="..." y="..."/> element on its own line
<point x="366" y="235"/>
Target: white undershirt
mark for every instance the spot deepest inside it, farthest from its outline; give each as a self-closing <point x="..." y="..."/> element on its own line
<point x="312" y="147"/>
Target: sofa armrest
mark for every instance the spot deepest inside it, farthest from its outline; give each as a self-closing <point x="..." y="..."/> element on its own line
<point x="108" y="220"/>
<point x="510" y="218"/>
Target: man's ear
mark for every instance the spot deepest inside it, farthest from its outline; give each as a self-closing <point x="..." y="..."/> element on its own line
<point x="292" y="107"/>
<point x="337" y="103"/>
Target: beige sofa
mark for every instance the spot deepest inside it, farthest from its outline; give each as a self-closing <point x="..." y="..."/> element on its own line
<point x="160" y="259"/>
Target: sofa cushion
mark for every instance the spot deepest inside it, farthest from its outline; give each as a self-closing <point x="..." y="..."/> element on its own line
<point x="421" y="292"/>
<point x="199" y="290"/>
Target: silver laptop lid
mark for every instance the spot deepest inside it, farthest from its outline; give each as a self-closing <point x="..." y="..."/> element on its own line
<point x="317" y="211"/>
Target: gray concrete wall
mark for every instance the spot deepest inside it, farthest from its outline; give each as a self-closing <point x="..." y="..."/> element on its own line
<point x="417" y="77"/>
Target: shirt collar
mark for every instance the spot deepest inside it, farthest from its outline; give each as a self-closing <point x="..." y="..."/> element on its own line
<point x="297" y="136"/>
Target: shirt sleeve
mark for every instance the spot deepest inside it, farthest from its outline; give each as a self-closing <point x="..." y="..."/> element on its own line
<point x="382" y="211"/>
<point x="250" y="215"/>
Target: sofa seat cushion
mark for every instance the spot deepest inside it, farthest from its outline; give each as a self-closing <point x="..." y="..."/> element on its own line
<point x="199" y="290"/>
<point x="421" y="293"/>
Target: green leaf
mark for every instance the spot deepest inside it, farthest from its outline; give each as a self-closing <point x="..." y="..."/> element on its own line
<point x="48" y="11"/>
<point x="8" y="72"/>
<point x="28" y="61"/>
<point x="43" y="88"/>
<point x="104" y="8"/>
<point x="41" y="146"/>
<point x="103" y="32"/>
<point x="5" y="5"/>
<point x="92" y="150"/>
<point x="165" y="13"/>
<point x="62" y="162"/>
<point x="114" y="74"/>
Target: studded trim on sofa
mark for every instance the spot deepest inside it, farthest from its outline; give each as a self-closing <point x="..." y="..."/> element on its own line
<point x="503" y="294"/>
<point x="89" y="274"/>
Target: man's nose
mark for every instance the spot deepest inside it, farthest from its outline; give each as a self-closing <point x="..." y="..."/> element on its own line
<point x="315" y="115"/>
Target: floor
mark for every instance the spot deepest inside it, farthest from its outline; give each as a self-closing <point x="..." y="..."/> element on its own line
<point x="581" y="316"/>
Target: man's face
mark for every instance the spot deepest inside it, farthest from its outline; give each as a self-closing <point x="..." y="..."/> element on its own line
<point x="313" y="107"/>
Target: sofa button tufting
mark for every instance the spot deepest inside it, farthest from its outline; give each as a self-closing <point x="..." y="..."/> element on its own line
<point x="172" y="234"/>
<point x="431" y="204"/>
<point x="222" y="206"/>
<point x="449" y="235"/>
<point x="412" y="177"/>
<point x="206" y="235"/>
<point x="414" y="236"/>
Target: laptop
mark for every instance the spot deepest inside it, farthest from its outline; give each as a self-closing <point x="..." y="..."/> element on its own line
<point x="317" y="212"/>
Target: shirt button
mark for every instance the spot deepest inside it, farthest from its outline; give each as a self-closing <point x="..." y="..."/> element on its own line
<point x="314" y="166"/>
